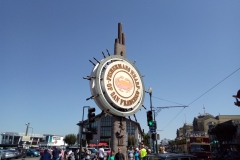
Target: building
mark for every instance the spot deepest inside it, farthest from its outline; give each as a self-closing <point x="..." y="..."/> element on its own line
<point x="32" y="140"/>
<point x="203" y="123"/>
<point x="102" y="129"/>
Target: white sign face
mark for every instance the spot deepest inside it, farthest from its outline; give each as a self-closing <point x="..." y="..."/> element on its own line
<point x="56" y="138"/>
<point x="122" y="84"/>
<point x="117" y="86"/>
<point x="25" y="138"/>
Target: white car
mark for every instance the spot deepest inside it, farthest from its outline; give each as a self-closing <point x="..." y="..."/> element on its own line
<point x="105" y="152"/>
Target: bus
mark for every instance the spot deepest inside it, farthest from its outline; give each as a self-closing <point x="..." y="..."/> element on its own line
<point x="200" y="147"/>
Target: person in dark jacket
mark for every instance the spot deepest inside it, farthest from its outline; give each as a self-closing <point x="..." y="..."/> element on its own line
<point x="46" y="155"/>
<point x="119" y="155"/>
<point x="55" y="153"/>
<point x="76" y="154"/>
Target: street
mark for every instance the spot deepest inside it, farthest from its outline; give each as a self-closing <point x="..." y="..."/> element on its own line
<point x="31" y="158"/>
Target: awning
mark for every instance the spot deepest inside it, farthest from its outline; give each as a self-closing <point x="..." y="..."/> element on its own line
<point x="102" y="144"/>
<point x="92" y="145"/>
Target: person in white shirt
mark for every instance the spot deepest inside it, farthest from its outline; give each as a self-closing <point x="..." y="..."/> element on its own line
<point x="101" y="153"/>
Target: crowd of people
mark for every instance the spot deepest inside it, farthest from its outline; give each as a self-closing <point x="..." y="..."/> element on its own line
<point x="68" y="154"/>
<point x="138" y="153"/>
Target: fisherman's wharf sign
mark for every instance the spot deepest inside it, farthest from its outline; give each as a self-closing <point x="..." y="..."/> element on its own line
<point x="117" y="86"/>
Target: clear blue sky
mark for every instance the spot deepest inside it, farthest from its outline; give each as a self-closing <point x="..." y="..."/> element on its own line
<point x="184" y="48"/>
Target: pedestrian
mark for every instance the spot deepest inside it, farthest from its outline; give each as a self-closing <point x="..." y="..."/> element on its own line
<point x="136" y="154"/>
<point x="65" y="157"/>
<point x="71" y="155"/>
<point x="149" y="151"/>
<point x="130" y="153"/>
<point x="101" y="153"/>
<point x="143" y="153"/>
<point x="87" y="154"/>
<point x="46" y="155"/>
<point x="119" y="155"/>
<point x="108" y="153"/>
<point x="76" y="154"/>
<point x="111" y="156"/>
<point x="83" y="154"/>
<point x="162" y="150"/>
<point x="55" y="153"/>
<point x="95" y="156"/>
<point x="61" y="156"/>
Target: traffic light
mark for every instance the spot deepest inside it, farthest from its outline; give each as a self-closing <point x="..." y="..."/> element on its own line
<point x="91" y="115"/>
<point x="149" y="118"/>
<point x="153" y="136"/>
<point x="154" y="124"/>
<point x="89" y="136"/>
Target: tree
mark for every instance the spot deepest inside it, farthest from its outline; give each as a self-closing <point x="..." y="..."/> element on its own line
<point x="70" y="139"/>
<point x="146" y="138"/>
<point x="131" y="141"/>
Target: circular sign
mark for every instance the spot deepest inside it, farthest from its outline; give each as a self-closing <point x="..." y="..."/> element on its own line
<point x="116" y="86"/>
<point x="122" y="85"/>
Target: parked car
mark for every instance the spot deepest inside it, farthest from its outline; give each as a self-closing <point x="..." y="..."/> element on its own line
<point x="218" y="155"/>
<point x="233" y="155"/>
<point x="6" y="154"/>
<point x="170" y="156"/>
<point x="33" y="153"/>
<point x="16" y="153"/>
<point x="93" y="152"/>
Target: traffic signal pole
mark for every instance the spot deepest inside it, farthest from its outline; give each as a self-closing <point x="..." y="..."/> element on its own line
<point x="154" y="120"/>
<point x="81" y="132"/>
<point x="156" y="150"/>
<point x="150" y="94"/>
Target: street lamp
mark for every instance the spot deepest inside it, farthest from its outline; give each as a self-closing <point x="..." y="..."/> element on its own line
<point x="27" y="128"/>
<point x="150" y="94"/>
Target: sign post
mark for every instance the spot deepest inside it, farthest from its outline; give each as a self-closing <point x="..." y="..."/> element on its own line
<point x="117" y="88"/>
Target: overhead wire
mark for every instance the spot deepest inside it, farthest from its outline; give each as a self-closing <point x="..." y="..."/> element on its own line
<point x="168" y="101"/>
<point x="198" y="96"/>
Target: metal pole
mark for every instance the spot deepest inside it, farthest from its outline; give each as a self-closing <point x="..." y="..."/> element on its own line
<point x="97" y="144"/>
<point x="27" y="129"/>
<point x="150" y="94"/>
<point x="80" y="152"/>
<point x="155" y="133"/>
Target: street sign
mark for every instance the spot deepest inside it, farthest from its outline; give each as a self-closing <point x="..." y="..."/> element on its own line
<point x="152" y="128"/>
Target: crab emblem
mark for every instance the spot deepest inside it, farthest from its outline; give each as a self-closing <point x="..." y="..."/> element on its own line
<point x="123" y="84"/>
